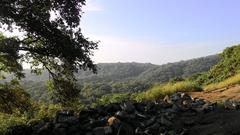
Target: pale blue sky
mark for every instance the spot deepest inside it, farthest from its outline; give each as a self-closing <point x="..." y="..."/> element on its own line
<point x="160" y="31"/>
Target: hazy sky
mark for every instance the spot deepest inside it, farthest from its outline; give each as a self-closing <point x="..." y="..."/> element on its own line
<point x="160" y="31"/>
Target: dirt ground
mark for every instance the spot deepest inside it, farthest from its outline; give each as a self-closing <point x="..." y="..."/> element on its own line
<point x="232" y="92"/>
<point x="221" y="121"/>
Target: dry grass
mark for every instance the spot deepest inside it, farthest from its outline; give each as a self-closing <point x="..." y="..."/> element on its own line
<point x="161" y="90"/>
<point x="228" y="82"/>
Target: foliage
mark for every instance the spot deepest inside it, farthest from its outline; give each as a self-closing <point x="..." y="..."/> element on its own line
<point x="52" y="43"/>
<point x="37" y="90"/>
<point x="46" y="111"/>
<point x="227" y="67"/>
<point x="138" y="96"/>
<point x="65" y="97"/>
<point x="161" y="90"/>
<point x="13" y="98"/>
<point x="228" y="82"/>
<point x="8" y="61"/>
<point x="113" y="98"/>
<point x="7" y="121"/>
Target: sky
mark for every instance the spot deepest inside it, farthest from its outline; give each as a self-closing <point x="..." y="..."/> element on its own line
<point x="160" y="31"/>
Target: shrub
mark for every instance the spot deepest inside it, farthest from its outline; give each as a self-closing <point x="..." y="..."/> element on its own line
<point x="112" y="98"/>
<point x="47" y="111"/>
<point x="13" y="98"/>
<point x="139" y="97"/>
<point x="7" y="121"/>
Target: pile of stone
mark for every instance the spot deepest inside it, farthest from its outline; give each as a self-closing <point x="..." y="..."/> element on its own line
<point x="231" y="104"/>
<point x="172" y="115"/>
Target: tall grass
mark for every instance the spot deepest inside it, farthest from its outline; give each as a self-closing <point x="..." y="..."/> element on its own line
<point x="161" y="90"/>
<point x="228" y="82"/>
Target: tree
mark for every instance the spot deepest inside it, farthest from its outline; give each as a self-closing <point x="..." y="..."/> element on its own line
<point x="52" y="40"/>
<point x="13" y="98"/>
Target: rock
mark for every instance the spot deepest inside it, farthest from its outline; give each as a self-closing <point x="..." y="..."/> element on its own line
<point x="113" y="121"/>
<point x="74" y="130"/>
<point x="189" y="122"/>
<point x="168" y="116"/>
<point x="125" y="129"/>
<point x="128" y="107"/>
<point x="102" y="130"/>
<point x="176" y="108"/>
<point x="153" y="129"/>
<point x="112" y="108"/>
<point x="167" y="99"/>
<point x="47" y="129"/>
<point x="176" y="97"/>
<point x="60" y="125"/>
<point x="141" y="116"/>
<point x="59" y="131"/>
<point x="98" y="123"/>
<point x="232" y="105"/>
<point x="101" y="110"/>
<point x="64" y="115"/>
<point x="19" y="130"/>
<point x="148" y="122"/>
<point x="165" y="121"/>
<point x="185" y="96"/>
<point x="198" y="102"/>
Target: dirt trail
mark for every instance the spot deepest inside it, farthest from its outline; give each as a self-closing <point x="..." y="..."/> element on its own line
<point x="220" y="122"/>
<point x="232" y="92"/>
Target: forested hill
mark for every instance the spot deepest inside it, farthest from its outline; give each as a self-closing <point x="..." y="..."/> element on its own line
<point x="106" y="71"/>
<point x="183" y="69"/>
<point x="138" y="71"/>
<point x="122" y="77"/>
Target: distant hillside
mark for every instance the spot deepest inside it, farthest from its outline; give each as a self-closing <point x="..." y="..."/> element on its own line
<point x="138" y="71"/>
<point x="123" y="77"/>
<point x="183" y="69"/>
<point x="106" y="72"/>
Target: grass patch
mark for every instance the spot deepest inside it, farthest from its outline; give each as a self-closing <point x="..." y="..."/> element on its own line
<point x="228" y="82"/>
<point x="161" y="90"/>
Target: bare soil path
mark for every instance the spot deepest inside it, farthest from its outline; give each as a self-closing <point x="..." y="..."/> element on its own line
<point x="232" y="92"/>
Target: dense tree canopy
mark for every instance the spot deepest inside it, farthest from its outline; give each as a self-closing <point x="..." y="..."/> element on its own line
<point x="51" y="39"/>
